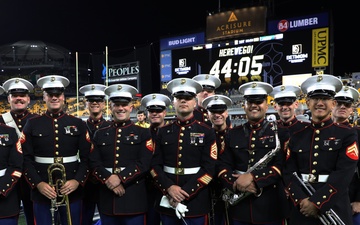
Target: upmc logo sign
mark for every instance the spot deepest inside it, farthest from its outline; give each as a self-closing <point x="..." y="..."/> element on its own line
<point x="298" y="23"/>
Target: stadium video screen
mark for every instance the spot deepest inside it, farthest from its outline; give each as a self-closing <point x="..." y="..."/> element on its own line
<point x="266" y="58"/>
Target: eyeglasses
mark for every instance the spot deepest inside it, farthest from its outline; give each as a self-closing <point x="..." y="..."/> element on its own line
<point x="346" y="104"/>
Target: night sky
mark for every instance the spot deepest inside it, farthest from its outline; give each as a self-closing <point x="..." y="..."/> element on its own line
<point x="89" y="26"/>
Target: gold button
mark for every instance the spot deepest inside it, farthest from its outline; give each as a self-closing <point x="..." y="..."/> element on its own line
<point x="179" y="163"/>
<point x="316" y="146"/>
<point x="317" y="131"/>
<point x="182" y="128"/>
<point x="316" y="154"/>
<point x="313" y="171"/>
<point x="181" y="134"/>
<point x="317" y="139"/>
<point x="253" y="138"/>
<point x="314" y="163"/>
<point x="252" y="145"/>
<point x="119" y="130"/>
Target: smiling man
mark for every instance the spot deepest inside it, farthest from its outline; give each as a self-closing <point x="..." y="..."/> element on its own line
<point x="246" y="145"/>
<point x="324" y="155"/>
<point x="95" y="103"/>
<point x="217" y="107"/>
<point x="120" y="159"/>
<point x="55" y="137"/>
<point x="18" y="91"/>
<point x="286" y="102"/>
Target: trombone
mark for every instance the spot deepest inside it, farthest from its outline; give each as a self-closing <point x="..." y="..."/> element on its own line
<point x="61" y="199"/>
<point x="330" y="217"/>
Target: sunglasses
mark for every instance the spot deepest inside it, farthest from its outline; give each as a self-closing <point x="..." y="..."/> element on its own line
<point x="346" y="104"/>
<point x="155" y="110"/>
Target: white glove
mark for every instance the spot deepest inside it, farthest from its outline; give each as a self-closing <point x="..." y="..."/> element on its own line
<point x="165" y="202"/>
<point x="180" y="210"/>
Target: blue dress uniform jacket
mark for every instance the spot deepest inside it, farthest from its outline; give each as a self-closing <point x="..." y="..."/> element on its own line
<point x="53" y="136"/>
<point x="328" y="151"/>
<point x="185" y="144"/>
<point x="246" y="145"/>
<point x="354" y="188"/>
<point x="20" y="119"/>
<point x="201" y="114"/>
<point x="11" y="161"/>
<point x="293" y="125"/>
<point x="124" y="149"/>
<point x="94" y="125"/>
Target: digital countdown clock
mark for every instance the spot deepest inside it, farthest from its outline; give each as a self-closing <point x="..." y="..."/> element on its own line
<point x="235" y="62"/>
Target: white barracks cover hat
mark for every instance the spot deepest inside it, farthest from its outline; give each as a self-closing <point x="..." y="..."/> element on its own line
<point x="321" y="85"/>
<point x="93" y="91"/>
<point x="155" y="101"/>
<point x="208" y="81"/>
<point x="17" y="85"/>
<point x="255" y="90"/>
<point x="121" y="92"/>
<point x="2" y="90"/>
<point x="285" y="93"/>
<point x="347" y="94"/>
<point x="184" y="87"/>
<point x="53" y="84"/>
<point x="217" y="103"/>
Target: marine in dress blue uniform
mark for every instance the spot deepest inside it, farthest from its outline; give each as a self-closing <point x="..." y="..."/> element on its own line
<point x="286" y="101"/>
<point x="120" y="160"/>
<point x="184" y="160"/>
<point x="18" y="90"/>
<point x="345" y="100"/>
<point x="245" y="145"/>
<point x="324" y="155"/>
<point x="55" y="137"/>
<point x="156" y="105"/>
<point x="11" y="165"/>
<point x="217" y="106"/>
<point x="95" y="103"/>
<point x="209" y="83"/>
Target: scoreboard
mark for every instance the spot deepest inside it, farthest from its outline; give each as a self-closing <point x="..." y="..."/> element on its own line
<point x="302" y="50"/>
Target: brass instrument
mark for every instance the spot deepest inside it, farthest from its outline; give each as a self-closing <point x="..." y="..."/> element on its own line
<point x="60" y="200"/>
<point x="330" y="217"/>
<point x="232" y="197"/>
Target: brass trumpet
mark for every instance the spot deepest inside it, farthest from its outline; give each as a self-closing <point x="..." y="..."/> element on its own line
<point x="61" y="199"/>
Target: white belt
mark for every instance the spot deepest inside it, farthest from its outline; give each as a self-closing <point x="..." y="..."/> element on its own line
<point x="314" y="178"/>
<point x="181" y="171"/>
<point x="116" y="170"/>
<point x="239" y="172"/>
<point x="2" y="172"/>
<point x="50" y="160"/>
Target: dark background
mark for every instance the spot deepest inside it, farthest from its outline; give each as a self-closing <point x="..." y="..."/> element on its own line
<point x="88" y="26"/>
